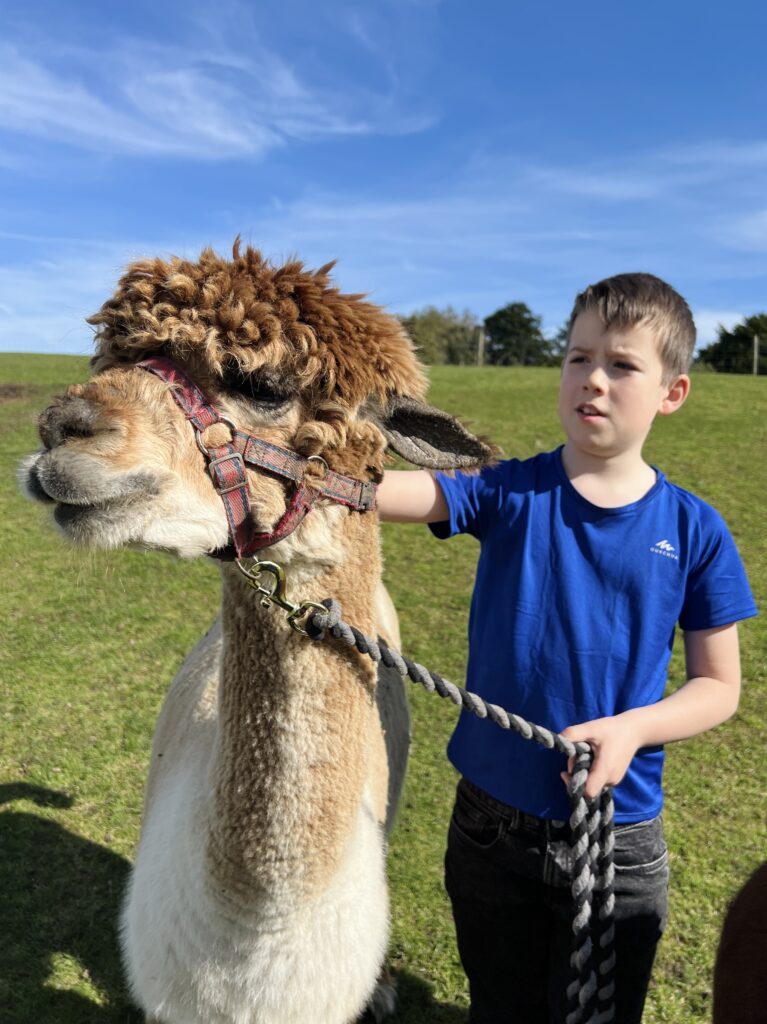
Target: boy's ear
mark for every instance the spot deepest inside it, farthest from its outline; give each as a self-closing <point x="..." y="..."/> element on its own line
<point x="676" y="395"/>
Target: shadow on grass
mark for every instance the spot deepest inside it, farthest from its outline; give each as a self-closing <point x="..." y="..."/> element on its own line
<point x="416" y="1004"/>
<point x="60" y="897"/>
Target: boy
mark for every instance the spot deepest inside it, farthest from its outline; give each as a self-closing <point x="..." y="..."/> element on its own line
<point x="589" y="557"/>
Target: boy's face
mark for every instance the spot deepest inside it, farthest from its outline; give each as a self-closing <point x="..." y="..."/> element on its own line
<point x="612" y="387"/>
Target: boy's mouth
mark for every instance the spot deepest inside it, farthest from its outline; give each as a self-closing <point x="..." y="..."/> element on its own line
<point x="586" y="409"/>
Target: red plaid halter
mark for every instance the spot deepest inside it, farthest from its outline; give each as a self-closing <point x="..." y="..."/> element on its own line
<point x="226" y="465"/>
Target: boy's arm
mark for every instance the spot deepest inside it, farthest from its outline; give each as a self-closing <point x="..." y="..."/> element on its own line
<point x="410" y="496"/>
<point x="710" y="696"/>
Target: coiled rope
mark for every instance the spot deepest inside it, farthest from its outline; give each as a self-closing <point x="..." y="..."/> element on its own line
<point x="590" y="992"/>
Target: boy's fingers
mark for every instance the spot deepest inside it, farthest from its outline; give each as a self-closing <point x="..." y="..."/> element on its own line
<point x="595" y="782"/>
<point x="577" y="733"/>
<point x="597" y="778"/>
<point x="593" y="789"/>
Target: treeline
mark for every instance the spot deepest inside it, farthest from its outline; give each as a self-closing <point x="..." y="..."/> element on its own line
<point x="513" y="336"/>
<point x="733" y="351"/>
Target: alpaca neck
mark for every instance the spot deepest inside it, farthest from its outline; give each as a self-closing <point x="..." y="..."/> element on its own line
<point x="293" y="734"/>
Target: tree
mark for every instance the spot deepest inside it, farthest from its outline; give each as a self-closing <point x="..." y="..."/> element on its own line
<point x="514" y="337"/>
<point x="443" y="335"/>
<point x="558" y="346"/>
<point x="733" y="352"/>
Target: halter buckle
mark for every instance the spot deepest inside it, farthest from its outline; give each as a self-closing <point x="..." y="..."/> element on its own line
<point x="230" y="457"/>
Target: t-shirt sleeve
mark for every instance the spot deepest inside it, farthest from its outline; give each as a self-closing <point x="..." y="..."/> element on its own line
<point x="717" y="591"/>
<point x="471" y="500"/>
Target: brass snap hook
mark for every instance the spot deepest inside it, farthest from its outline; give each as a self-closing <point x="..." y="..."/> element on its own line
<point x="277" y="592"/>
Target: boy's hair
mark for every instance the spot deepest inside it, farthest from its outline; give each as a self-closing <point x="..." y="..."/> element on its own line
<point x="626" y="300"/>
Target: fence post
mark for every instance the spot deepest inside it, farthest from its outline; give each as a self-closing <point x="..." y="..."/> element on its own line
<point x="756" y="354"/>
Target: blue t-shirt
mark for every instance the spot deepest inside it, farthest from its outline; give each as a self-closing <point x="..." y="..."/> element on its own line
<point x="573" y="617"/>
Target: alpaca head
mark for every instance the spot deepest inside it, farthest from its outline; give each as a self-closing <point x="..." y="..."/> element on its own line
<point x="281" y="353"/>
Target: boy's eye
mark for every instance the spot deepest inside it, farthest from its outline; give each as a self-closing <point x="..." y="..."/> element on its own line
<point x="622" y="365"/>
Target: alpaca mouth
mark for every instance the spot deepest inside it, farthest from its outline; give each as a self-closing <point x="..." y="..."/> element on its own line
<point x="88" y="504"/>
<point x="80" y="516"/>
<point x="79" y="482"/>
<point x="30" y="482"/>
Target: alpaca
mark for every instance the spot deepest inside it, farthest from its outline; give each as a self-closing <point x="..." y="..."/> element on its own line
<point x="740" y="981"/>
<point x="258" y="894"/>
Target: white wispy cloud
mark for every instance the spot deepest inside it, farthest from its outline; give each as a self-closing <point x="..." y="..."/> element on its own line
<point x="722" y="154"/>
<point x="36" y="102"/>
<point x="404" y="253"/>
<point x="385" y="243"/>
<point x="662" y="172"/>
<point x="491" y="232"/>
<point x="210" y="103"/>
<point x="614" y="186"/>
<point x="44" y="300"/>
<point x="747" y="232"/>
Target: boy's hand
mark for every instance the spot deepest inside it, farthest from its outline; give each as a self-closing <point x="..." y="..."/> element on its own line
<point x="709" y="697"/>
<point x="614" y="740"/>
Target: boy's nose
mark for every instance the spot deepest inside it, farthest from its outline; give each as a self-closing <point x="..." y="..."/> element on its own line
<point x="595" y="379"/>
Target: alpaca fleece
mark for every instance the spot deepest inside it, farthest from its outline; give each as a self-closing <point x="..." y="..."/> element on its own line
<point x="214" y="314"/>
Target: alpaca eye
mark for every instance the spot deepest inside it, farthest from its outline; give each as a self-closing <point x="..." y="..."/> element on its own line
<point x="256" y="388"/>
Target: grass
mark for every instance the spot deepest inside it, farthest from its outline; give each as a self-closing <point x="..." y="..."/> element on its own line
<point x="90" y="642"/>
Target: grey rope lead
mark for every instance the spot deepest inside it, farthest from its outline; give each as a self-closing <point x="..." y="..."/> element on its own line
<point x="590" y="992"/>
<point x="605" y="872"/>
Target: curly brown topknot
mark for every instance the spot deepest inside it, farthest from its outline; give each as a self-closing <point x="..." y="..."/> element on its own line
<point x="215" y="313"/>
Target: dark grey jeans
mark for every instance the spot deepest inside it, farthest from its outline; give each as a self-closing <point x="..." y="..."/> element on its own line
<point x="507" y="875"/>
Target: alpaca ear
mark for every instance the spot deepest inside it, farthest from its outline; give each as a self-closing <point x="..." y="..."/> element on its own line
<point x="429" y="437"/>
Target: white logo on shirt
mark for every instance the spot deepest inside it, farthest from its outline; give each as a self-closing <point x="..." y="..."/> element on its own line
<point x="662" y="547"/>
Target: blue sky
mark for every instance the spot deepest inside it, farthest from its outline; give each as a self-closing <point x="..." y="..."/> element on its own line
<point x="444" y="152"/>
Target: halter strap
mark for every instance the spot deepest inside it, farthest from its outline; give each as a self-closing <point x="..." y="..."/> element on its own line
<point x="226" y="465"/>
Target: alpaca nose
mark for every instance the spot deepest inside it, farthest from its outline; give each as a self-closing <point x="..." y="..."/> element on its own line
<point x="69" y="417"/>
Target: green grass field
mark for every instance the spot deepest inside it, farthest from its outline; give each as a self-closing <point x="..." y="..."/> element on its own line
<point x="89" y="643"/>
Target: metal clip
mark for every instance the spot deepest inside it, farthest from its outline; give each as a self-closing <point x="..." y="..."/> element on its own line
<point x="198" y="433"/>
<point x="276" y="594"/>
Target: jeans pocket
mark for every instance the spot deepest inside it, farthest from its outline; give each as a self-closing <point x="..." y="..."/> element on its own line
<point x="640" y="848"/>
<point x="474" y="823"/>
<point x="641" y="880"/>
